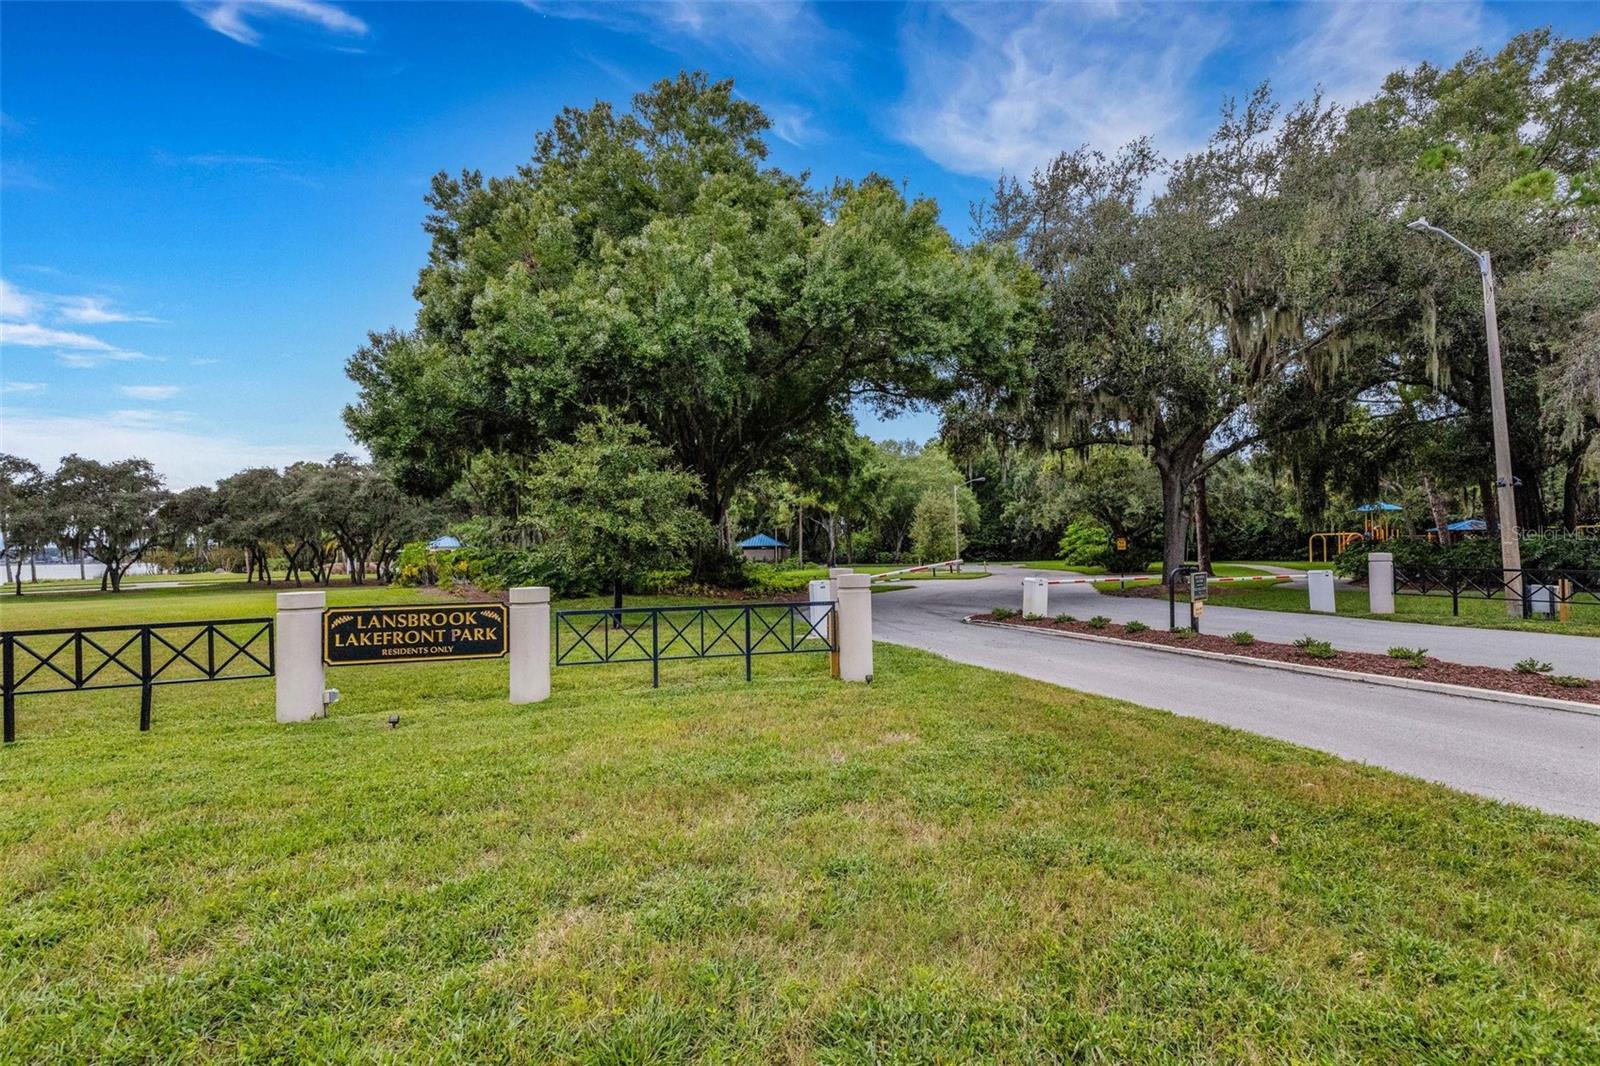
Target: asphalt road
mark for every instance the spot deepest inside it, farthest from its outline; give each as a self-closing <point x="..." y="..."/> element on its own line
<point x="1542" y="758"/>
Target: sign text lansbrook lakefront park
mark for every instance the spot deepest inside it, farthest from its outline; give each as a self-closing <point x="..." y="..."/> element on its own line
<point x="352" y="636"/>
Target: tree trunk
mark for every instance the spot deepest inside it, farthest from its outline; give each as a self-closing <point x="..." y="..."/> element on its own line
<point x="83" y="572"/>
<point x="1491" y="510"/>
<point x="1441" y="520"/>
<point x="616" y="603"/>
<point x="1175" y="530"/>
<point x="1175" y="464"/>
<point x="800" y="528"/>
<point x="1572" y="490"/>
<point x="1202" y="526"/>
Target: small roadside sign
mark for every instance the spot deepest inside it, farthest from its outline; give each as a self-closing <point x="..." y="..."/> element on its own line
<point x="1198" y="587"/>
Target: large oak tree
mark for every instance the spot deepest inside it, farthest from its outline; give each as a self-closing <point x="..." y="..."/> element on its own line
<point x="652" y="263"/>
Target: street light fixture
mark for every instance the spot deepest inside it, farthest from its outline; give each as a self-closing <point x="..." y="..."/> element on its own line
<point x="1505" y="484"/>
<point x="955" y="507"/>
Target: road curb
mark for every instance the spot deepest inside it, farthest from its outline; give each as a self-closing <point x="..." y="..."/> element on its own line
<point x="1488" y="695"/>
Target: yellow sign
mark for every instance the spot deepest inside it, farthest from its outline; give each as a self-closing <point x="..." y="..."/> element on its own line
<point x="1122" y="544"/>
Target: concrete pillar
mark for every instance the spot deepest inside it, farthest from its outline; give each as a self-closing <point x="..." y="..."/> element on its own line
<point x="1035" y="597"/>
<point x="530" y="644"/>
<point x="820" y="593"/>
<point x="1380" y="583"/>
<point x="1321" y="582"/>
<point x="301" y="680"/>
<point x="855" y="627"/>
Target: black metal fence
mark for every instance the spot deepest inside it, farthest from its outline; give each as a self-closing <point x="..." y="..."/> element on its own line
<point x="1541" y="590"/>
<point x="655" y="635"/>
<point x="37" y="661"/>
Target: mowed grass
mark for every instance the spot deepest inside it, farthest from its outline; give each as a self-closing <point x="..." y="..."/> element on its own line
<point x="946" y="865"/>
<point x="1218" y="569"/>
<point x="1476" y="611"/>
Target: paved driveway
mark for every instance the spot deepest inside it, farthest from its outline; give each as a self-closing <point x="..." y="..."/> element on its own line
<point x="1542" y="758"/>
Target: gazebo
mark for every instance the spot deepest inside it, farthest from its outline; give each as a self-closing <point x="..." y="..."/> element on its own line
<point x="763" y="549"/>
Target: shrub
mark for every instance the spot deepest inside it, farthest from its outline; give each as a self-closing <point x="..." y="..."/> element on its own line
<point x="1085" y="543"/>
<point x="1000" y="614"/>
<point x="1532" y="666"/>
<point x="1135" y="626"/>
<point x="1569" y="681"/>
<point x="1182" y="633"/>
<point x="1244" y="638"/>
<point x="1099" y="621"/>
<point x="1316" y="649"/>
<point x="1033" y="618"/>
<point x="1064" y="618"/>
<point x="1416" y="658"/>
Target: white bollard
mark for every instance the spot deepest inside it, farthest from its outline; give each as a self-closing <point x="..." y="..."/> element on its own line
<point x="855" y="627"/>
<point x="300" y="676"/>
<point x="820" y="593"/>
<point x="1380" y="583"/>
<point x="530" y="644"/>
<point x="1035" y="597"/>
<point x="1321" y="582"/>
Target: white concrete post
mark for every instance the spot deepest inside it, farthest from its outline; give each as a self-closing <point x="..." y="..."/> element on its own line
<point x="855" y="627"/>
<point x="297" y="652"/>
<point x="819" y="592"/>
<point x="1380" y="583"/>
<point x="530" y="644"/>
<point x="1321" y="582"/>
<point x="834" y="574"/>
<point x="1035" y="597"/>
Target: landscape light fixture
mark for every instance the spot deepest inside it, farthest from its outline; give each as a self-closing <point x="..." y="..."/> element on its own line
<point x="1505" y="483"/>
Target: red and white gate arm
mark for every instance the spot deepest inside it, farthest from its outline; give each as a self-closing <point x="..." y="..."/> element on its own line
<point x="916" y="569"/>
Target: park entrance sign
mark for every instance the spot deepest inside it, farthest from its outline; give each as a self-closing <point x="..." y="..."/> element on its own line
<point x="358" y="636"/>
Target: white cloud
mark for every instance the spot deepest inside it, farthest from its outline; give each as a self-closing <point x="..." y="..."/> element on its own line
<point x="13" y="302"/>
<point x="150" y="392"/>
<point x="14" y="387"/>
<point x="1348" y="48"/>
<point x="33" y="335"/>
<point x="786" y="32"/>
<point x="235" y="19"/>
<point x="1028" y="83"/>
<point x="94" y="311"/>
<point x="90" y="360"/>
<point x="183" y="455"/>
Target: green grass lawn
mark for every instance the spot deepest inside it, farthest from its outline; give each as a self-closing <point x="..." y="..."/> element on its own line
<point x="973" y="570"/>
<point x="1433" y="609"/>
<point x="1219" y="569"/>
<point x="793" y="869"/>
<point x="1287" y="564"/>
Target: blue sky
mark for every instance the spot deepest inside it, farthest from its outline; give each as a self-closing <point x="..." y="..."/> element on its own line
<point x="205" y="206"/>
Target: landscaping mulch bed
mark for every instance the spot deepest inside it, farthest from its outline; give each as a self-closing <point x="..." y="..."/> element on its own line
<point x="1485" y="677"/>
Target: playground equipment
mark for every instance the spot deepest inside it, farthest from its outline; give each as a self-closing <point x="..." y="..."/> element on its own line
<point x="1323" y="547"/>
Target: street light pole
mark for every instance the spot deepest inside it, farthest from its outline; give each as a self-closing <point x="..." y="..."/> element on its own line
<point x="955" y="507"/>
<point x="1505" y="484"/>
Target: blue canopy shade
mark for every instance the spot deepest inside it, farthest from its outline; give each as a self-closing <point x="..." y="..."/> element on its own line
<point x="443" y="544"/>
<point x="1368" y="508"/>
<point x="761" y="540"/>
<point x="1466" y="525"/>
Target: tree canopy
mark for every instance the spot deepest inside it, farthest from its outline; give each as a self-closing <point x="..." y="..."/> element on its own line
<point x="650" y="262"/>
